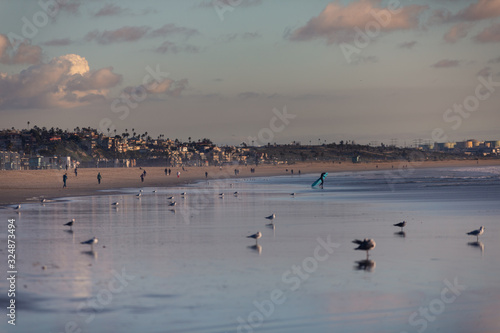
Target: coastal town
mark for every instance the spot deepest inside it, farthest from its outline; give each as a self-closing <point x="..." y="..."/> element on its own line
<point x="42" y="148"/>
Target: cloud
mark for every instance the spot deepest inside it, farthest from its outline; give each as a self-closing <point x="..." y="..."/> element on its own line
<point x="234" y="36"/>
<point x="58" y="42"/>
<point x="171" y="29"/>
<point x="337" y="23"/>
<point x="110" y="10"/>
<point x="360" y="59"/>
<point x="407" y="45"/>
<point x="486" y="71"/>
<point x="166" y="86"/>
<point x="23" y="53"/>
<point x="231" y="3"/>
<point x="482" y="9"/>
<point x="494" y="61"/>
<point x="446" y="63"/>
<point x="490" y="34"/>
<point x="171" y="47"/>
<point x="132" y="34"/>
<point x="124" y="34"/>
<point x="458" y="31"/>
<point x="64" y="82"/>
<point x="249" y="94"/>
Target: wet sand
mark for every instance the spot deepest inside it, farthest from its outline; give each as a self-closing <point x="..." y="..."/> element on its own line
<point x="33" y="185"/>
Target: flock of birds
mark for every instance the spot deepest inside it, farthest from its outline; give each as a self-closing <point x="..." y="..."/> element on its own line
<point x="366" y="244"/>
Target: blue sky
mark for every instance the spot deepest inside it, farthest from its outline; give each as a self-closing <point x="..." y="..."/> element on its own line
<point x="223" y="66"/>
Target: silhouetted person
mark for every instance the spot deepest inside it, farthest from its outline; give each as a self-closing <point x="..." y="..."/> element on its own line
<point x="99" y="177"/>
<point x="322" y="179"/>
<point x="65" y="178"/>
<point x="142" y="177"/>
<point x="206" y="174"/>
<point x="76" y="172"/>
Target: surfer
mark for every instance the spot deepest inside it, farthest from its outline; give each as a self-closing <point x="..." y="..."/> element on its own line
<point x="322" y="177"/>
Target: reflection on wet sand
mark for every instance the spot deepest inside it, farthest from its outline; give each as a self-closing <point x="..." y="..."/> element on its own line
<point x="477" y="244"/>
<point x="256" y="247"/>
<point x="400" y="234"/>
<point x="365" y="265"/>
<point x="91" y="253"/>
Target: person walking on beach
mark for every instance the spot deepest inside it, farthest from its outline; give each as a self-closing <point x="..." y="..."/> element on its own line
<point x="169" y="171"/>
<point x="65" y="178"/>
<point x="322" y="177"/>
<point x="144" y="173"/>
<point x="76" y="172"/>
<point x="142" y="177"/>
<point x="206" y="174"/>
<point x="166" y="172"/>
<point x="99" y="177"/>
<point x="178" y="174"/>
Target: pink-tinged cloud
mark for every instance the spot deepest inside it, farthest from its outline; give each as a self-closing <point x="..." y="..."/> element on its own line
<point x="337" y="23"/>
<point x="124" y="34"/>
<point x="407" y="45"/>
<point x="490" y="34"/>
<point x="58" y="42"/>
<point x="480" y="10"/>
<point x="23" y="53"/>
<point x="458" y="31"/>
<point x="171" y="47"/>
<point x="64" y="82"/>
<point x="171" y="29"/>
<point x="110" y="10"/>
<point x="446" y="63"/>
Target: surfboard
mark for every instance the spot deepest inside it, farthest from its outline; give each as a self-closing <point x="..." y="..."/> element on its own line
<point x="319" y="180"/>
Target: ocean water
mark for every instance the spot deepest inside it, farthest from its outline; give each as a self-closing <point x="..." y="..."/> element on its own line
<point x="191" y="268"/>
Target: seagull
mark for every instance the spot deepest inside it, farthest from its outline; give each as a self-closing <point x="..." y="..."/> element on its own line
<point x="115" y="204"/>
<point x="170" y="198"/>
<point x="365" y="245"/>
<point x="292" y="194"/>
<point x="183" y="194"/>
<point x="255" y="236"/>
<point x="154" y="191"/>
<point x="400" y="224"/>
<point x="43" y="200"/>
<point x="18" y="207"/>
<point x="70" y="223"/>
<point x="141" y="191"/>
<point x="138" y="195"/>
<point x="91" y="242"/>
<point x="221" y="194"/>
<point x="172" y="203"/>
<point x="477" y="232"/>
<point x="235" y="193"/>
<point x="271" y="217"/>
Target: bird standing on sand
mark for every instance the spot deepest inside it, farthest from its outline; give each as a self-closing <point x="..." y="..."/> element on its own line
<point x="70" y="223"/>
<point x="401" y="225"/>
<point x="477" y="233"/>
<point x="115" y="204"/>
<point x="91" y="242"/>
<point x="255" y="236"/>
<point x="365" y="245"/>
<point x="271" y="217"/>
<point x="18" y="207"/>
<point x="172" y="204"/>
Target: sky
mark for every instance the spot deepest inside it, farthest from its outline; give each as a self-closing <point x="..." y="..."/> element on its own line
<point x="255" y="71"/>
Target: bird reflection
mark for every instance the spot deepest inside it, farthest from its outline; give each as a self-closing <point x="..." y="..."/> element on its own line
<point x="400" y="234"/>
<point x="477" y="244"/>
<point x="256" y="247"/>
<point x="271" y="226"/>
<point x="69" y="231"/>
<point x="91" y="253"/>
<point x="365" y="265"/>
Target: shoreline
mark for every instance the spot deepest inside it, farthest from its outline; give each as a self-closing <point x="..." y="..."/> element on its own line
<point x="29" y="186"/>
